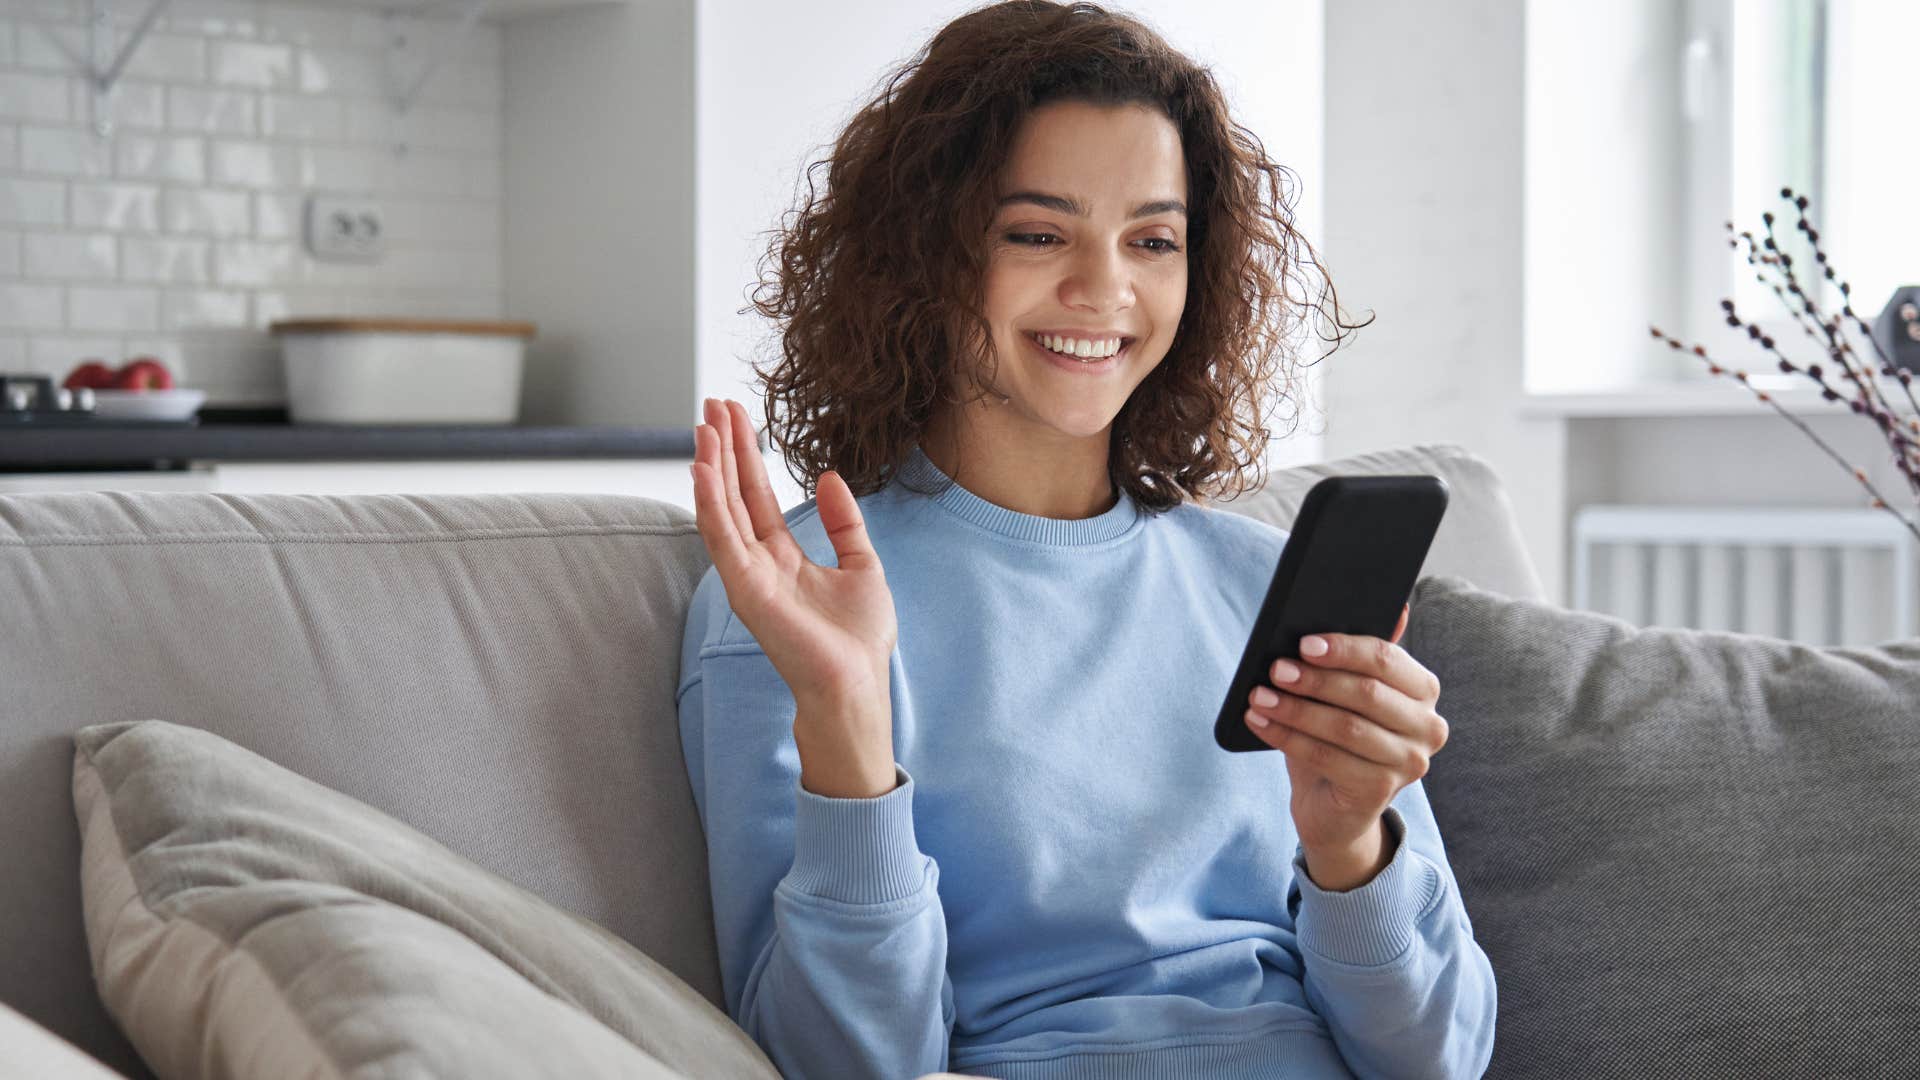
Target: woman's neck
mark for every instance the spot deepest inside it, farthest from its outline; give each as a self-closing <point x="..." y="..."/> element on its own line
<point x="1061" y="477"/>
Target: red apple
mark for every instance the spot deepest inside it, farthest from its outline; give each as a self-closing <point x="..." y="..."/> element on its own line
<point x="91" y="373"/>
<point x="142" y="373"/>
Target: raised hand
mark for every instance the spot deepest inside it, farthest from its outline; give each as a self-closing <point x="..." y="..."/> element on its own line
<point x="828" y="631"/>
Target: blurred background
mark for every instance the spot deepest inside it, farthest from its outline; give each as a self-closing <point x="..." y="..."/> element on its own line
<point x="461" y="245"/>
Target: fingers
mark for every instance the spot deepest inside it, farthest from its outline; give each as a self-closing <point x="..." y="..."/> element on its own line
<point x="1354" y="734"/>
<point x="1383" y="660"/>
<point x="736" y="504"/>
<point x="1364" y="695"/>
<point x="1335" y="762"/>
<point x="720" y="417"/>
<point x="709" y="501"/>
<point x="756" y="493"/>
<point x="846" y="528"/>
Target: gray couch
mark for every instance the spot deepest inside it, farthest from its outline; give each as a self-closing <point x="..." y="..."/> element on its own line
<point x="498" y="672"/>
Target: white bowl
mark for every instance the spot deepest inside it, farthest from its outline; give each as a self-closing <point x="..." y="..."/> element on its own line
<point x="147" y="404"/>
<point x="369" y="376"/>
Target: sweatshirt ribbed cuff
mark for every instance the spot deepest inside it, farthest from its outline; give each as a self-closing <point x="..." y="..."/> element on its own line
<point x="1372" y="924"/>
<point x="857" y="851"/>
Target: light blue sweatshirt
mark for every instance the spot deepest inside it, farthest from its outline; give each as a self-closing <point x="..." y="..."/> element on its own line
<point x="1071" y="879"/>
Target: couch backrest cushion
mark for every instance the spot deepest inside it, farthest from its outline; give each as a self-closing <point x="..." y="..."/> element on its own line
<point x="1686" y="853"/>
<point x="1479" y="538"/>
<point x="496" y="671"/>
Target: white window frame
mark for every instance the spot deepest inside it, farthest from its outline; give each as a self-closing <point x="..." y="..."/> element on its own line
<point x="1713" y="271"/>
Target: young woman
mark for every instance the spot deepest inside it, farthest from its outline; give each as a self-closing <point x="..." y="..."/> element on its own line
<point x="949" y="722"/>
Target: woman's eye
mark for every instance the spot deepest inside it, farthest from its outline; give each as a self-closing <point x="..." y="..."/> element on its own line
<point x="1033" y="240"/>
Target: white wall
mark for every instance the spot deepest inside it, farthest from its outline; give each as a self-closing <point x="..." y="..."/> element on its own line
<point x="1867" y="226"/>
<point x="1425" y="166"/>
<point x="600" y="241"/>
<point x="1604" y="197"/>
<point x="1504" y="190"/>
<point x="776" y="82"/>
<point x="179" y="234"/>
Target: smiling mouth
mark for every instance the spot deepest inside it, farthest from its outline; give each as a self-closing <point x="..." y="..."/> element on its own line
<point x="1091" y="361"/>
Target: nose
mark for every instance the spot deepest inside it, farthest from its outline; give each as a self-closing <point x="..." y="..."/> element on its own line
<point x="1097" y="280"/>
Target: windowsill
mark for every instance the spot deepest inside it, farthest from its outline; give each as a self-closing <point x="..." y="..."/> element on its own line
<point x="1704" y="397"/>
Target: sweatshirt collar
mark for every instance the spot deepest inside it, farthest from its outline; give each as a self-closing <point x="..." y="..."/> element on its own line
<point x="920" y="471"/>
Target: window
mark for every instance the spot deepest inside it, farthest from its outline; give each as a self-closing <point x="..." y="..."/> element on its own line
<point x="1815" y="95"/>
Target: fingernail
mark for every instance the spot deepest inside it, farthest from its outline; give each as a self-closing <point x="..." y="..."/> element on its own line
<point x="1285" y="671"/>
<point x="1256" y="719"/>
<point x="1313" y="645"/>
<point x="1265" y="698"/>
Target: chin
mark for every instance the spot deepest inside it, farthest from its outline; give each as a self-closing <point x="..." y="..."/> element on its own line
<point x="1075" y="418"/>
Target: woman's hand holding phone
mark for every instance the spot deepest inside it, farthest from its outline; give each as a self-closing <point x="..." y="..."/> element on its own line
<point x="1357" y="723"/>
<point x="829" y="631"/>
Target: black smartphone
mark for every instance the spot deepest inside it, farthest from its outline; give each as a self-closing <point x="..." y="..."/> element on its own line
<point x="1349" y="566"/>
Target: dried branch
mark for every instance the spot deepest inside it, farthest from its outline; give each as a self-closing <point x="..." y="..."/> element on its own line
<point x="1831" y="334"/>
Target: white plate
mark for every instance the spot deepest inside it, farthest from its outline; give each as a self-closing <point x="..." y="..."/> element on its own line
<point x="147" y="404"/>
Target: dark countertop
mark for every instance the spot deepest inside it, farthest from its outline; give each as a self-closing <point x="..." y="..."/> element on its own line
<point x="265" y="435"/>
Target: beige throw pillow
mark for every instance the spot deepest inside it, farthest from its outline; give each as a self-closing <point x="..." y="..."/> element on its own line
<point x="244" y="921"/>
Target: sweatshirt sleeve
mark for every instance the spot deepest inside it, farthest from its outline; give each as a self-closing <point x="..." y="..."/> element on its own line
<point x="832" y="940"/>
<point x="1392" y="966"/>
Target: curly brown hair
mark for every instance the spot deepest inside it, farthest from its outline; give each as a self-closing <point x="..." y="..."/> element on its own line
<point x="880" y="298"/>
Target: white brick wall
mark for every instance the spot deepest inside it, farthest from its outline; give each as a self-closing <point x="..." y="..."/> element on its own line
<point x="180" y="234"/>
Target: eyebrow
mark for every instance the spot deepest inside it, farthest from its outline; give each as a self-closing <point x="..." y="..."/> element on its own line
<point x="1067" y="205"/>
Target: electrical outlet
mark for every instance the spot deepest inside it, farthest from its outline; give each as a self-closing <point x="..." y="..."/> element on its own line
<point x="344" y="230"/>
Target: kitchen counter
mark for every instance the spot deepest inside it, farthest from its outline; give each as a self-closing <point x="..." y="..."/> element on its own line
<point x="265" y="435"/>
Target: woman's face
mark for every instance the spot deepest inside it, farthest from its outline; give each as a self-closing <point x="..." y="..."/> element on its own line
<point x="1089" y="241"/>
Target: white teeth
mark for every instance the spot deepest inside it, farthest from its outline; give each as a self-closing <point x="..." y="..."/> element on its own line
<point x="1081" y="349"/>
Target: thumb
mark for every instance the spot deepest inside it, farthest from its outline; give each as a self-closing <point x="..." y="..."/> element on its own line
<point x="840" y="514"/>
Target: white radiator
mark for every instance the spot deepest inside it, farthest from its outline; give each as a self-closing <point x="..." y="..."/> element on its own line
<point x="1821" y="577"/>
